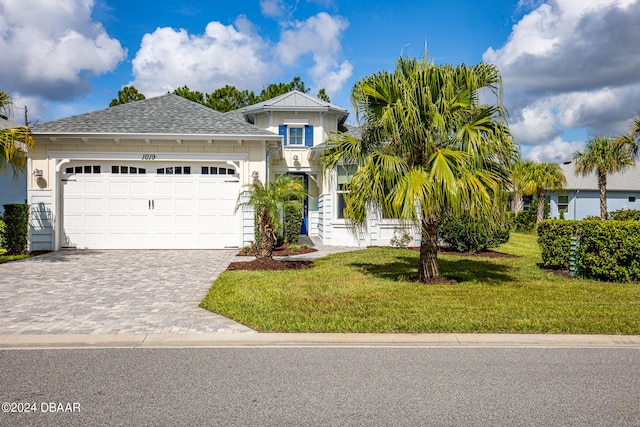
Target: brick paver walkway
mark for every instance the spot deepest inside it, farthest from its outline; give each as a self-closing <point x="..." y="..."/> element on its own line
<point x="112" y="292"/>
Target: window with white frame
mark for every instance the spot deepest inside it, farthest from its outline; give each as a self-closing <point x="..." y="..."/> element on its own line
<point x="296" y="136"/>
<point x="344" y="174"/>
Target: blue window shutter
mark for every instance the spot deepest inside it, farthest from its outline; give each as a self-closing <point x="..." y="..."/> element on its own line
<point x="308" y="135"/>
<point x="282" y="130"/>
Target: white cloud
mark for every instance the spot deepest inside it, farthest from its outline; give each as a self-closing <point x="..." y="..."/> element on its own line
<point x="555" y="151"/>
<point x="319" y="36"/>
<point x="52" y="48"/>
<point x="571" y="65"/>
<point x="272" y="8"/>
<point x="223" y="55"/>
<point x="535" y="124"/>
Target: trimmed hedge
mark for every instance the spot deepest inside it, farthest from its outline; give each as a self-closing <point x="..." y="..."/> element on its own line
<point x="610" y="250"/>
<point x="625" y="215"/>
<point x="554" y="238"/>
<point x="292" y="223"/>
<point x="15" y="234"/>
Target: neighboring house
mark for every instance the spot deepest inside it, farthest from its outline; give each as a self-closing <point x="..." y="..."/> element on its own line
<point x="582" y="197"/>
<point x="166" y="172"/>
<point x="13" y="188"/>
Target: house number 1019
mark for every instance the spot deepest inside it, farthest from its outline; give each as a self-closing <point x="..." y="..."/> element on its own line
<point x="148" y="157"/>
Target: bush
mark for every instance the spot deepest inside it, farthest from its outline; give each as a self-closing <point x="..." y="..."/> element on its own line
<point x="1" y="232"/>
<point x="294" y="248"/>
<point x="16" y="228"/>
<point x="292" y="223"/>
<point x="466" y="233"/>
<point x="401" y="238"/>
<point x="554" y="238"/>
<point x="610" y="250"/>
<point x="525" y="221"/>
<point x="625" y="215"/>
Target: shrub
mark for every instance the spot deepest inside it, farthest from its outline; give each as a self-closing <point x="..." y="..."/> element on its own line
<point x="292" y="223"/>
<point x="625" y="215"/>
<point x="610" y="250"/>
<point x="525" y="221"/>
<point x="466" y="233"/>
<point x="15" y="233"/>
<point x="554" y="238"/>
<point x="246" y="250"/>
<point x="401" y="238"/>
<point x="294" y="248"/>
<point x="1" y="232"/>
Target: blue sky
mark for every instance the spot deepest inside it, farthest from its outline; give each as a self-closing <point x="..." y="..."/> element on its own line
<point x="571" y="68"/>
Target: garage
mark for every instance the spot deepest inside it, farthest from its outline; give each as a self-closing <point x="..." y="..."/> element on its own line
<point x="143" y="205"/>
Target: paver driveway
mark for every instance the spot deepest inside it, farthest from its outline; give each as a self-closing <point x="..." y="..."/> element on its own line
<point x="112" y="292"/>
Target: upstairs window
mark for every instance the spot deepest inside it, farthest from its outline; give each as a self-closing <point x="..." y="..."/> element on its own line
<point x="296" y="136"/>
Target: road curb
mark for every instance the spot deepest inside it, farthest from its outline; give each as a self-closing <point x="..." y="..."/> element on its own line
<point x="254" y="339"/>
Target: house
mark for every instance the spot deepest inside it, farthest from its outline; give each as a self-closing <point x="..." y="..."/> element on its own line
<point x="13" y="187"/>
<point x="582" y="197"/>
<point x="166" y="172"/>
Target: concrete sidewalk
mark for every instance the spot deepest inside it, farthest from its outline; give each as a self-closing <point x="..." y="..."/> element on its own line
<point x="254" y="339"/>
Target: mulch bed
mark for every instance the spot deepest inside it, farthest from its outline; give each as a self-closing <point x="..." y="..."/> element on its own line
<point x="284" y="251"/>
<point x="270" y="264"/>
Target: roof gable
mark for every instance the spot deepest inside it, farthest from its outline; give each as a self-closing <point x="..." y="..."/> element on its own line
<point x="167" y="114"/>
<point x="291" y="101"/>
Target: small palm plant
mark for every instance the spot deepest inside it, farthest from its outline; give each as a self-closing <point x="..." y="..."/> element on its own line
<point x="269" y="200"/>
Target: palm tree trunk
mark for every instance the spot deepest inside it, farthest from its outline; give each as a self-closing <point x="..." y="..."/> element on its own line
<point x="518" y="202"/>
<point x="268" y="236"/>
<point x="602" y="186"/>
<point x="541" y="202"/>
<point x="428" y="269"/>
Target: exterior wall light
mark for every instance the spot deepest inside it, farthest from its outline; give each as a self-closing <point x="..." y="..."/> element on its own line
<point x="254" y="175"/>
<point x="37" y="172"/>
<point x="295" y="157"/>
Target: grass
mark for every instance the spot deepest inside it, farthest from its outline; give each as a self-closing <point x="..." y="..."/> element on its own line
<point x="9" y="258"/>
<point x="367" y="291"/>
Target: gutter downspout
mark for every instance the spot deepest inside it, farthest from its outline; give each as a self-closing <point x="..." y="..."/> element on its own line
<point x="575" y="204"/>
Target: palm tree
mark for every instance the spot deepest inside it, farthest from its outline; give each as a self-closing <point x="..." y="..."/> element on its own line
<point x="428" y="145"/>
<point x="15" y="142"/>
<point x="521" y="182"/>
<point x="546" y="177"/>
<point x="269" y="201"/>
<point x="604" y="156"/>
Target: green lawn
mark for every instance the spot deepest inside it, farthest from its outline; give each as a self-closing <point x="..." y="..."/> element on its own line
<point x="365" y="291"/>
<point x="8" y="258"/>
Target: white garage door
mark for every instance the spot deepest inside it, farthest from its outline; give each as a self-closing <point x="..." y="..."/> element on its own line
<point x="130" y="206"/>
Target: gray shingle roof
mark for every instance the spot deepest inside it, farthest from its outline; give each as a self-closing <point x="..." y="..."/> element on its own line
<point x="167" y="114"/>
<point x="625" y="181"/>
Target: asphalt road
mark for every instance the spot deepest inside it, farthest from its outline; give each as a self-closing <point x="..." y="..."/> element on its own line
<point x="322" y="386"/>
